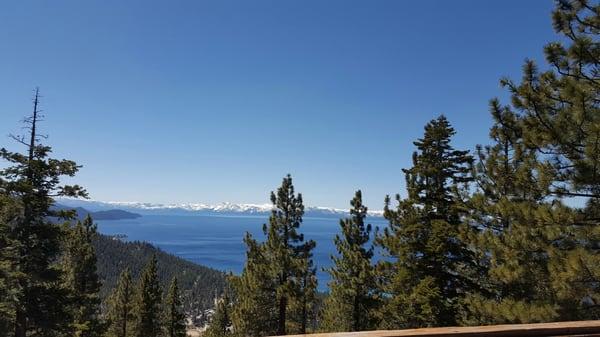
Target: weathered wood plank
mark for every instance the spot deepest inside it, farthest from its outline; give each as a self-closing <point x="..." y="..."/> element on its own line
<point x="580" y="328"/>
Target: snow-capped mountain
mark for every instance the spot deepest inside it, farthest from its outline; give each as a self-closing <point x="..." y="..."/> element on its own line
<point x="196" y="208"/>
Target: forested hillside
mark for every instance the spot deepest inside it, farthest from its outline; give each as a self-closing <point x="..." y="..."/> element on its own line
<point x="198" y="284"/>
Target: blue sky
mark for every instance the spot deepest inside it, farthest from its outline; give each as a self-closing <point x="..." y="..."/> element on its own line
<point x="198" y="101"/>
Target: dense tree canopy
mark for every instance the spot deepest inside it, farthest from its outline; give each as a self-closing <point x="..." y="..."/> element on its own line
<point x="81" y="278"/>
<point x="174" y="319"/>
<point x="147" y="308"/>
<point x="545" y="261"/>
<point x="120" y="307"/>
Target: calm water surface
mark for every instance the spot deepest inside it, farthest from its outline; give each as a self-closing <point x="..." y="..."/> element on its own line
<point x="216" y="241"/>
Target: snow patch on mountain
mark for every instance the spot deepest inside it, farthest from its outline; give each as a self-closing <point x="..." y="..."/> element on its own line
<point x="223" y="207"/>
<point x="196" y="208"/>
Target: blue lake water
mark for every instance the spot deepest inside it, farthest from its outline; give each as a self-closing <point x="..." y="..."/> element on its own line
<point x="216" y="241"/>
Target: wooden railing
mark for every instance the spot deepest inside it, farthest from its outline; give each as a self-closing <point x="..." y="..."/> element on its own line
<point x="581" y="328"/>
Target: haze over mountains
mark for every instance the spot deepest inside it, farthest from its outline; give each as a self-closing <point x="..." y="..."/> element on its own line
<point x="224" y="208"/>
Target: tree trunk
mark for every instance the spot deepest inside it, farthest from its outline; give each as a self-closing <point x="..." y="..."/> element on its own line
<point x="304" y="317"/>
<point x="20" y="324"/>
<point x="124" y="326"/>
<point x="282" y="312"/>
<point x="356" y="314"/>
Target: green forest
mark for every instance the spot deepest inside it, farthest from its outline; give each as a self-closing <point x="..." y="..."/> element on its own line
<point x="505" y="232"/>
<point x="199" y="285"/>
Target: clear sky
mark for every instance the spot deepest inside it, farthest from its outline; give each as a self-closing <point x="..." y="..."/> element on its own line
<point x="211" y="101"/>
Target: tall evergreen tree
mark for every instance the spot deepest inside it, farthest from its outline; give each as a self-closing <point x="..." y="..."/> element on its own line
<point x="255" y="308"/>
<point x="120" y="307"/>
<point x="289" y="256"/>
<point x="33" y="179"/>
<point x="560" y="121"/>
<point x="220" y="322"/>
<point x="82" y="279"/>
<point x="284" y="245"/>
<point x="352" y="300"/>
<point x="302" y="305"/>
<point x="511" y="209"/>
<point x="429" y="273"/>
<point x="174" y="316"/>
<point x="147" y="308"/>
<point x="9" y="216"/>
<point x="278" y="280"/>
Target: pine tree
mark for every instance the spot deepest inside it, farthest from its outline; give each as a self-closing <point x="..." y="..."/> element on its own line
<point x="220" y="322"/>
<point x="120" y="307"/>
<point x="558" y="111"/>
<point x="82" y="279"/>
<point x="276" y="288"/>
<point x="352" y="301"/>
<point x="9" y="216"/>
<point x="147" y="309"/>
<point x="174" y="316"/>
<point x="429" y="273"/>
<point x="509" y="207"/>
<point x="287" y="253"/>
<point x="302" y="305"/>
<point x="254" y="311"/>
<point x="33" y="179"/>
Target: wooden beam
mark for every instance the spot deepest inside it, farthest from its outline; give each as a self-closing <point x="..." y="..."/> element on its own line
<point x="580" y="328"/>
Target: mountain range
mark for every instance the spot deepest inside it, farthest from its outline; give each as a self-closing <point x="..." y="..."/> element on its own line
<point x="224" y="208"/>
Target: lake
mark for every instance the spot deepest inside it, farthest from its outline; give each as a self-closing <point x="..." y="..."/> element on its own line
<point x="216" y="241"/>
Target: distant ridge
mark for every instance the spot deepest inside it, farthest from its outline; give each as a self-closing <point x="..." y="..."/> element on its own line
<point x="109" y="214"/>
<point x="224" y="208"/>
<point x="114" y="214"/>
